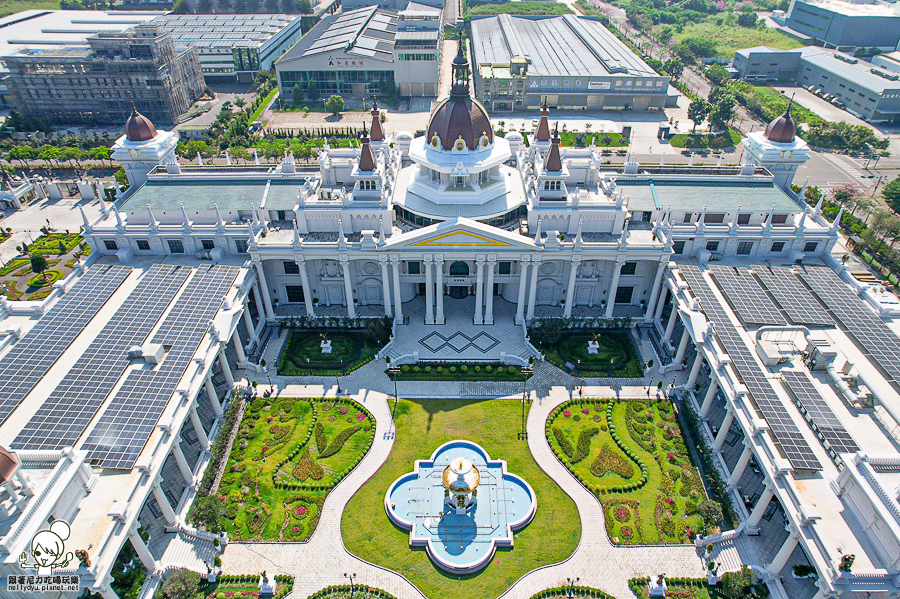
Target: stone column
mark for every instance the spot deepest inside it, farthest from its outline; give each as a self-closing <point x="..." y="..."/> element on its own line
<point x="760" y="508"/>
<point x="307" y="290"/>
<point x="611" y="296"/>
<point x="489" y="291"/>
<point x="141" y="549"/>
<point x="523" y="281"/>
<point x="670" y="326"/>
<point x="398" y="302"/>
<point x="570" y="289"/>
<point x="479" y="289"/>
<point x="682" y="347"/>
<point x="695" y="369"/>
<point x="238" y="347"/>
<point x="348" y="287"/>
<point x="164" y="505"/>
<point x="708" y="398"/>
<point x="439" y="288"/>
<point x="532" y="292"/>
<point x="738" y="471"/>
<point x="784" y="554"/>
<point x="248" y="322"/>
<point x="385" y="286"/>
<point x="429" y="292"/>
<point x="723" y="430"/>
<point x="186" y="472"/>
<point x="267" y="299"/>
<point x="213" y="396"/>
<point x="198" y="428"/>
<point x="650" y="314"/>
<point x="226" y="369"/>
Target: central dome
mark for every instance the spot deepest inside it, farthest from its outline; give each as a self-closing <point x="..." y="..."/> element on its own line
<point x="138" y="127"/>
<point x="460" y="118"/>
<point x="782" y="130"/>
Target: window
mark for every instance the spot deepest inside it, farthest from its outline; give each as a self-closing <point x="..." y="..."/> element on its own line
<point x="291" y="267"/>
<point x="175" y="246"/>
<point x="678" y="247"/>
<point x="810" y="246"/>
<point x="688" y="216"/>
<point x="414" y="268"/>
<point x="744" y="219"/>
<point x="553" y="185"/>
<point x="744" y="248"/>
<point x="505" y="268"/>
<point x="208" y="244"/>
<point x="779" y="219"/>
<point x="629" y="268"/>
<point x="777" y="247"/>
<point x="714" y="218"/>
<point x="368" y="185"/>
<point x="240" y="246"/>
<point x="712" y="246"/>
<point x="623" y="295"/>
<point x="110" y="244"/>
<point x="294" y="293"/>
<point x="143" y="244"/>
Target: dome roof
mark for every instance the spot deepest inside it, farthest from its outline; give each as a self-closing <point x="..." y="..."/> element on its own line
<point x="460" y="476"/>
<point x="782" y="130"/>
<point x="460" y="118"/>
<point x="138" y="127"/>
<point x="9" y="464"/>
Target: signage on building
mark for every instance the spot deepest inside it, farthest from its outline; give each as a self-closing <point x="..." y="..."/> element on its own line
<point x="346" y="63"/>
<point x="598" y="84"/>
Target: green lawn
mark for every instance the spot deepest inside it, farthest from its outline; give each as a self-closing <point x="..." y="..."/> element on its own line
<point x="460" y="372"/>
<point x="350" y="349"/>
<point x="706" y="140"/>
<point x="421" y="427"/>
<point x="535" y="7"/>
<point x="8" y="7"/>
<point x="19" y="281"/>
<point x="771" y="103"/>
<point x="616" y="357"/>
<point x="288" y="455"/>
<point x="731" y="37"/>
<point x="582" y="139"/>
<point x="650" y="494"/>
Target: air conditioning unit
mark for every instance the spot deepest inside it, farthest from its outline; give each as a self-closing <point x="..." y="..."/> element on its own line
<point x="152" y="353"/>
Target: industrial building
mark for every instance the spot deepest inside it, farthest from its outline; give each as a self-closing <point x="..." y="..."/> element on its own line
<point x="847" y="25"/>
<point x="864" y="89"/>
<point x="231" y="46"/>
<point x="101" y="83"/>
<point x="568" y="62"/>
<point x="366" y="52"/>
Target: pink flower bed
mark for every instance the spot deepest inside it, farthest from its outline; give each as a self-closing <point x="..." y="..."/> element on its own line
<point x="360" y="417"/>
<point x="301" y="509"/>
<point x="265" y="448"/>
<point x="296" y="529"/>
<point x="585" y="411"/>
<point x="269" y="419"/>
<point x="344" y="410"/>
<point x="567" y="414"/>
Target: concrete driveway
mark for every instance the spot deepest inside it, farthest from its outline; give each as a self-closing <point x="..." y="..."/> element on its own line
<point x="826" y="110"/>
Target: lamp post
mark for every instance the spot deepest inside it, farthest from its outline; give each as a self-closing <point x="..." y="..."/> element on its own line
<point x="526" y="372"/>
<point x="350" y="576"/>
<point x="268" y="378"/>
<point x="394" y="372"/>
<point x="571" y="582"/>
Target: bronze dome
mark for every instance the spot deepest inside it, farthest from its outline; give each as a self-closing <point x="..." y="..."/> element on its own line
<point x="138" y="127"/>
<point x="9" y="464"/>
<point x="782" y="130"/>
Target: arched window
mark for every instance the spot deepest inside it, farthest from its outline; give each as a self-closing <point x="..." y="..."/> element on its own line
<point x="459" y="269"/>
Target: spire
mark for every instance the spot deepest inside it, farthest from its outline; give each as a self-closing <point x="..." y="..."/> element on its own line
<point x="377" y="131"/>
<point x="734" y="220"/>
<point x="187" y="220"/>
<point x="220" y="222"/>
<point x="296" y="233"/>
<point x="366" y="158"/>
<point x="120" y="225"/>
<point x="836" y="225"/>
<point x="87" y="222"/>
<point x="542" y="133"/>
<point x="578" y="240"/>
<point x="383" y="238"/>
<point x="342" y="241"/>
<point x="227" y="158"/>
<point x="553" y="163"/>
<point x="537" y="233"/>
<point x="460" y="69"/>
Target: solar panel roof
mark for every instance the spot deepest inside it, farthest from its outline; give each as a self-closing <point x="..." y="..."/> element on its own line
<point x="829" y="428"/>
<point x="746" y="296"/>
<point x="795" y="299"/>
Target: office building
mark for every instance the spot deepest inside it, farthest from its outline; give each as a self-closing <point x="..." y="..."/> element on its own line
<point x="847" y="25"/>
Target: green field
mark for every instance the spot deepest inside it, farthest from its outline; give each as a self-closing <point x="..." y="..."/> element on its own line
<point x="730" y="38"/>
<point x="706" y="140"/>
<point x="422" y="426"/>
<point x="8" y="7"/>
<point x="519" y="8"/>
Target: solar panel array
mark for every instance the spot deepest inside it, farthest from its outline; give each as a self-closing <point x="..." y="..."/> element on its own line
<point x="126" y="424"/>
<point x="796" y="300"/>
<point x="869" y="330"/>
<point x="819" y="413"/>
<point x="751" y="373"/>
<point x="30" y="359"/>
<point x="67" y="412"/>
<point x="748" y="299"/>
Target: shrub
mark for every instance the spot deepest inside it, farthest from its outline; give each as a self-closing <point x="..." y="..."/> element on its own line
<point x="584" y="444"/>
<point x="338" y="442"/>
<point x="564" y="444"/>
<point x="488" y="368"/>
<point x="181" y="583"/>
<point x="321" y="439"/>
<point x="308" y="468"/>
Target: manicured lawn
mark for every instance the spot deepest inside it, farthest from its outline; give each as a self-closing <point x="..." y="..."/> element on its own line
<point x="705" y="140"/>
<point x="519" y="8"/>
<point x="19" y="282"/>
<point x="730" y="37"/>
<point x="633" y="457"/>
<point x="8" y="7"/>
<point x="683" y="588"/>
<point x="582" y="139"/>
<point x="771" y="103"/>
<point x="421" y="427"/>
<point x="460" y="372"/>
<point x="616" y="357"/>
<point x="350" y="349"/>
<point x="288" y="455"/>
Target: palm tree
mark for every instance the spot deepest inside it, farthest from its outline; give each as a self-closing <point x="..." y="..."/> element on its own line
<point x="240" y="103"/>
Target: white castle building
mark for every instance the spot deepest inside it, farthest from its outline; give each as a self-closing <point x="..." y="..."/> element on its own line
<point x="791" y="362"/>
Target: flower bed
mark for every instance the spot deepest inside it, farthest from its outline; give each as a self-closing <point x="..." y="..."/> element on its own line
<point x="350" y="349"/>
<point x="460" y="372"/>
<point x="682" y="588"/>
<point x="635" y="461"/>
<point x="359" y="591"/>
<point x="616" y="357"/>
<point x="573" y="592"/>
<point x="278" y="472"/>
<point x="244" y="587"/>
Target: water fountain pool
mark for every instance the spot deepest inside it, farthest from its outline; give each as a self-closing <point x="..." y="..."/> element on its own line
<point x="460" y="505"/>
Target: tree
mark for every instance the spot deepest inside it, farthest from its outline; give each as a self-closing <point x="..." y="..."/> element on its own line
<point x="711" y="512"/>
<point x="240" y="103"/>
<point x="101" y="153"/>
<point x="334" y="105"/>
<point x="49" y="153"/>
<point x="208" y="513"/>
<point x="697" y="111"/>
<point x="204" y="6"/>
<point x="39" y="265"/>
<point x="747" y="18"/>
<point x="674" y="67"/>
<point x="890" y="193"/>
<point x="740" y="585"/>
<point x="181" y="584"/>
<point x="21" y="153"/>
<point x="180" y="7"/>
<point x="297" y="95"/>
<point x="880" y="226"/>
<point x="665" y="34"/>
<point x="305" y="7"/>
<point x="312" y="92"/>
<point x="844" y="194"/>
<point x="722" y="112"/>
<point x="239" y="153"/>
<point x="718" y="74"/>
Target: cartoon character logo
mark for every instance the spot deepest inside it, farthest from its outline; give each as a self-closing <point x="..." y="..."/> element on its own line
<point x="48" y="550"/>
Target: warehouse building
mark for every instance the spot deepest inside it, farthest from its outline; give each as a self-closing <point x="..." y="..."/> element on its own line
<point x="866" y="90"/>
<point x="233" y="47"/>
<point x="366" y="52"/>
<point x="847" y="25"/>
<point x="568" y="62"/>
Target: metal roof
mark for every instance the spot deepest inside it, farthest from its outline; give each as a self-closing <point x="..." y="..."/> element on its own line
<point x="223" y="30"/>
<point x="365" y="31"/>
<point x="692" y="195"/>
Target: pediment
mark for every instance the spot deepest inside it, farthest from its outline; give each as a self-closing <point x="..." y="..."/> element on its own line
<point x="461" y="233"/>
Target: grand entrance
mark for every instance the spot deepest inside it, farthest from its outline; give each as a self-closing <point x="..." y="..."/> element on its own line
<point x="459" y="291"/>
<point x="459" y="269"/>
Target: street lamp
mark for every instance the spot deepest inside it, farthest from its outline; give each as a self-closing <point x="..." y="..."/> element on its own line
<point x="526" y="372"/>
<point x="350" y="576"/>
<point x="394" y="372"/>
<point x="266" y="370"/>
<point x="571" y="582"/>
